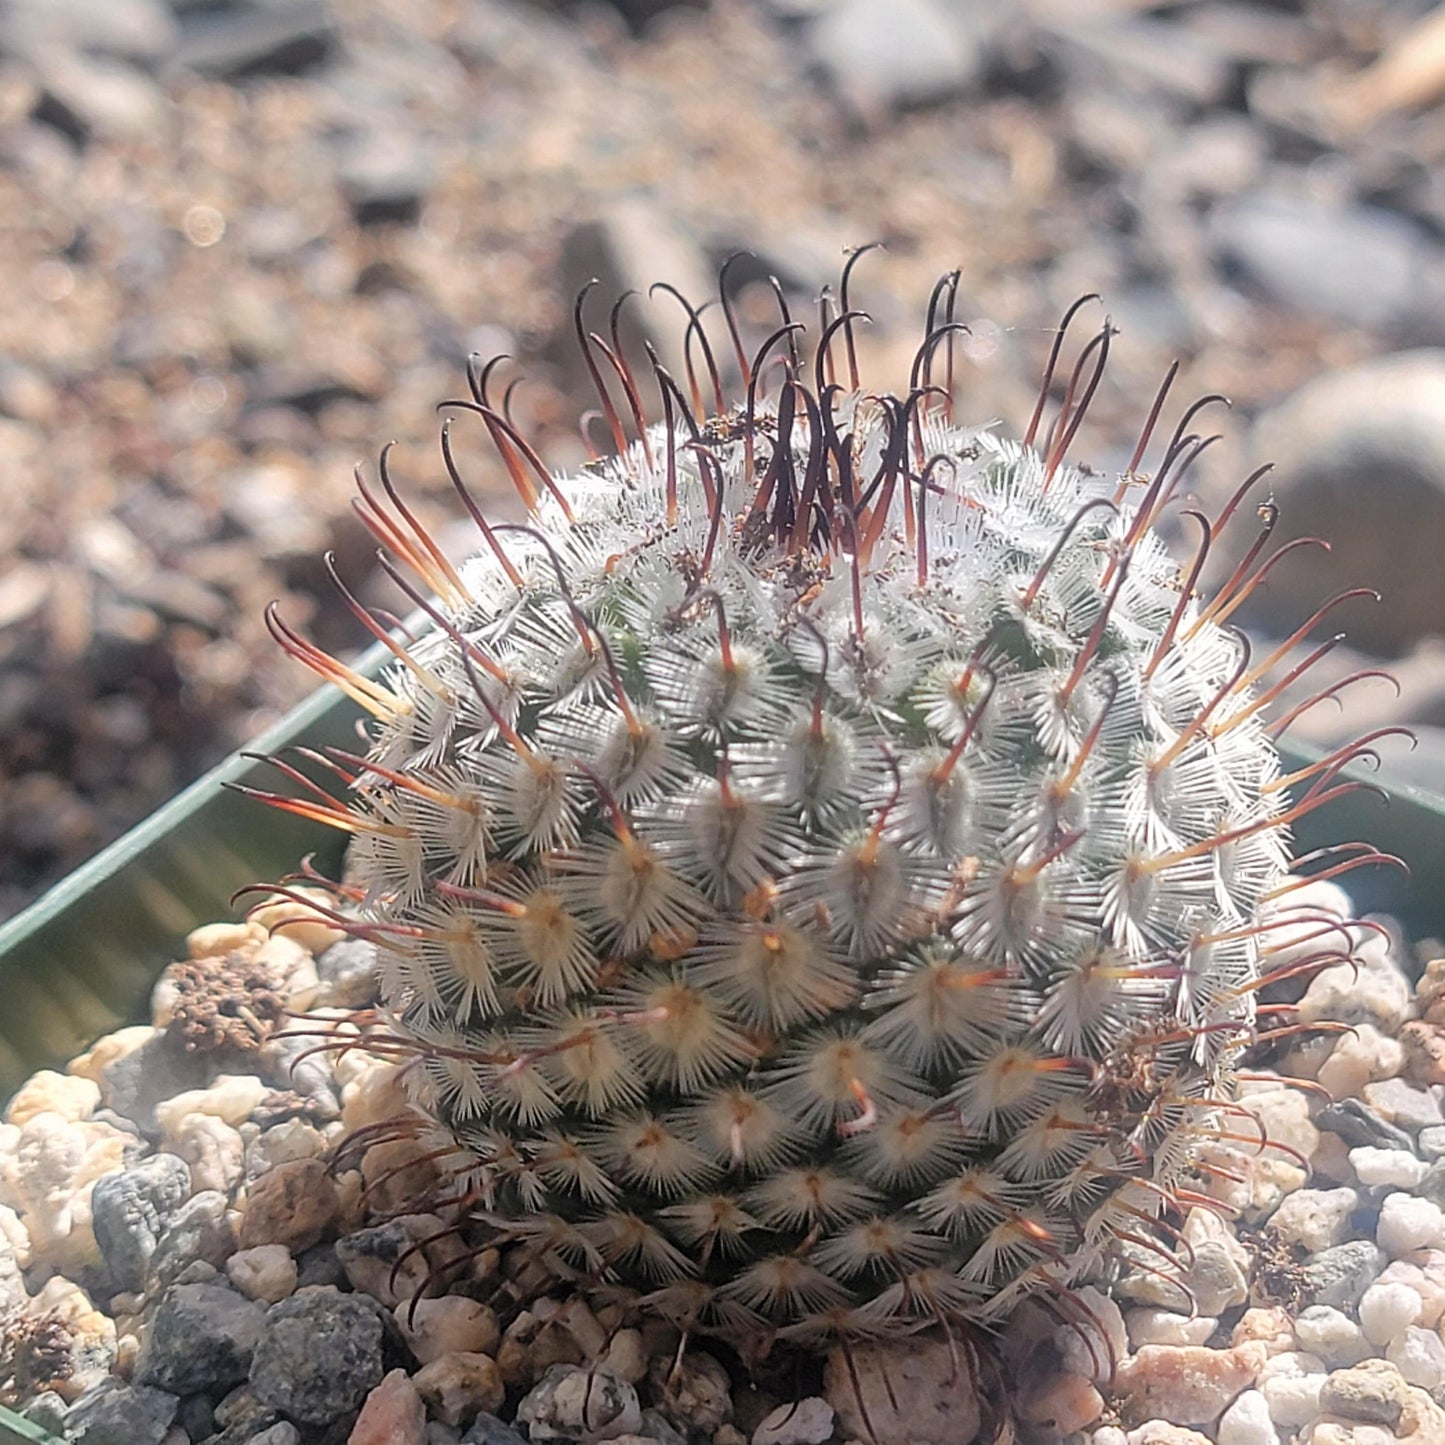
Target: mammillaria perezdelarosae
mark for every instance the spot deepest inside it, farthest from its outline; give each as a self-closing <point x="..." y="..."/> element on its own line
<point x="818" y="860"/>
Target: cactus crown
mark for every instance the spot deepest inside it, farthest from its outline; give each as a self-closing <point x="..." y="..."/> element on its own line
<point x="817" y="859"/>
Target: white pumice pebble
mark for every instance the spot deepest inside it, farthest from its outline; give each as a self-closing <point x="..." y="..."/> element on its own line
<point x="1386" y="1309"/>
<point x="1419" y="1355"/>
<point x="1315" y="1218"/>
<point x="1333" y="1336"/>
<point x="1247" y="1422"/>
<point x="1396" y="1167"/>
<point x="1291" y="1383"/>
<point x="1407" y="1223"/>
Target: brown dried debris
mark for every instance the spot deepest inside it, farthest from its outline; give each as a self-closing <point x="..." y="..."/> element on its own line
<point x="36" y="1354"/>
<point x="226" y="1003"/>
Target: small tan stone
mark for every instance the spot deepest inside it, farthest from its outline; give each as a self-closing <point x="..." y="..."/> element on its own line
<point x="213" y="940"/>
<point x="231" y="1097"/>
<point x="1187" y="1384"/>
<point x="392" y="1415"/>
<point x="458" y="1386"/>
<point x="213" y="1150"/>
<point x="1066" y="1404"/>
<point x="624" y="1356"/>
<point x="106" y="1051"/>
<point x="292" y="919"/>
<point x="450" y="1325"/>
<point x="909" y="1392"/>
<point x="266" y="1272"/>
<point x="293" y="1204"/>
<point x="394" y="1174"/>
<point x="69" y="1095"/>
<point x="1422" y="1421"/>
<point x="1328" y="1430"/>
<point x="1424" y="1045"/>
<point x="369" y="1094"/>
<point x="1270" y="1326"/>
<point x="1373" y="1392"/>
<point x="291" y="965"/>
<point x="1161" y="1432"/>
<point x="1331" y="1160"/>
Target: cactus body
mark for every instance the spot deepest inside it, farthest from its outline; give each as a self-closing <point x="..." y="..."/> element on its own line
<point x="817" y="860"/>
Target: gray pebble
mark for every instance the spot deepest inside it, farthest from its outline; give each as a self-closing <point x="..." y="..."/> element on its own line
<point x="572" y="1401"/>
<point x="143" y="31"/>
<point x="1339" y="1276"/>
<point x="880" y="57"/>
<point x="130" y="1211"/>
<point x="159" y="1070"/>
<point x="1406" y="1105"/>
<point x="286" y="1065"/>
<point x="197" y="1416"/>
<point x="199" y="1232"/>
<point x="319" y="1355"/>
<point x="1432" y="1184"/>
<point x="319" y="1265"/>
<point x="113" y="1413"/>
<point x="1354" y="265"/>
<point x="1361" y="1127"/>
<point x="488" y="1430"/>
<point x="283" y="1432"/>
<point x="347" y="971"/>
<point x="234" y="42"/>
<point x="656" y="1426"/>
<point x="202" y="1338"/>
<point x="1431" y="1143"/>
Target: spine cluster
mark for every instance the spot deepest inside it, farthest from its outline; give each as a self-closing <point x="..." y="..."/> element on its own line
<point x="818" y="858"/>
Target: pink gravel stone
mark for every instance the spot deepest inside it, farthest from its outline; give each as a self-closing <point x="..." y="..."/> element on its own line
<point x="392" y="1415"/>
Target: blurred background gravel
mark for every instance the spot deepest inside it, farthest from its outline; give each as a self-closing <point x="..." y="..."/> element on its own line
<point x="245" y="242"/>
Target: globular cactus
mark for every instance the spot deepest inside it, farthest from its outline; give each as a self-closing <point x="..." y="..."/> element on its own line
<point x="818" y="859"/>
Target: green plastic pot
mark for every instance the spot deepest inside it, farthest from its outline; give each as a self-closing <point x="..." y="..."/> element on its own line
<point x="81" y="960"/>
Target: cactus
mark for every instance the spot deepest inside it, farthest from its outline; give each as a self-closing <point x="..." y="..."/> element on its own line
<point x="818" y="859"/>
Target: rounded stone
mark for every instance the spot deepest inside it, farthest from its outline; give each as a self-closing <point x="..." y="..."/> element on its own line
<point x="451" y="1324"/>
<point x="571" y="1402"/>
<point x="1186" y="1384"/>
<point x="1407" y="1223"/>
<point x="294" y="1204"/>
<point x="800" y="1422"/>
<point x="46" y="1092"/>
<point x="1247" y="1422"/>
<point x="1315" y="1219"/>
<point x="459" y="1385"/>
<point x="909" y="1390"/>
<point x="129" y="1212"/>
<point x="1419" y="1355"/>
<point x="1333" y="1336"/>
<point x="1360" y="450"/>
<point x="1386" y="1309"/>
<point x="266" y="1272"/>
<point x="1339" y="1276"/>
<point x="1373" y="1392"/>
